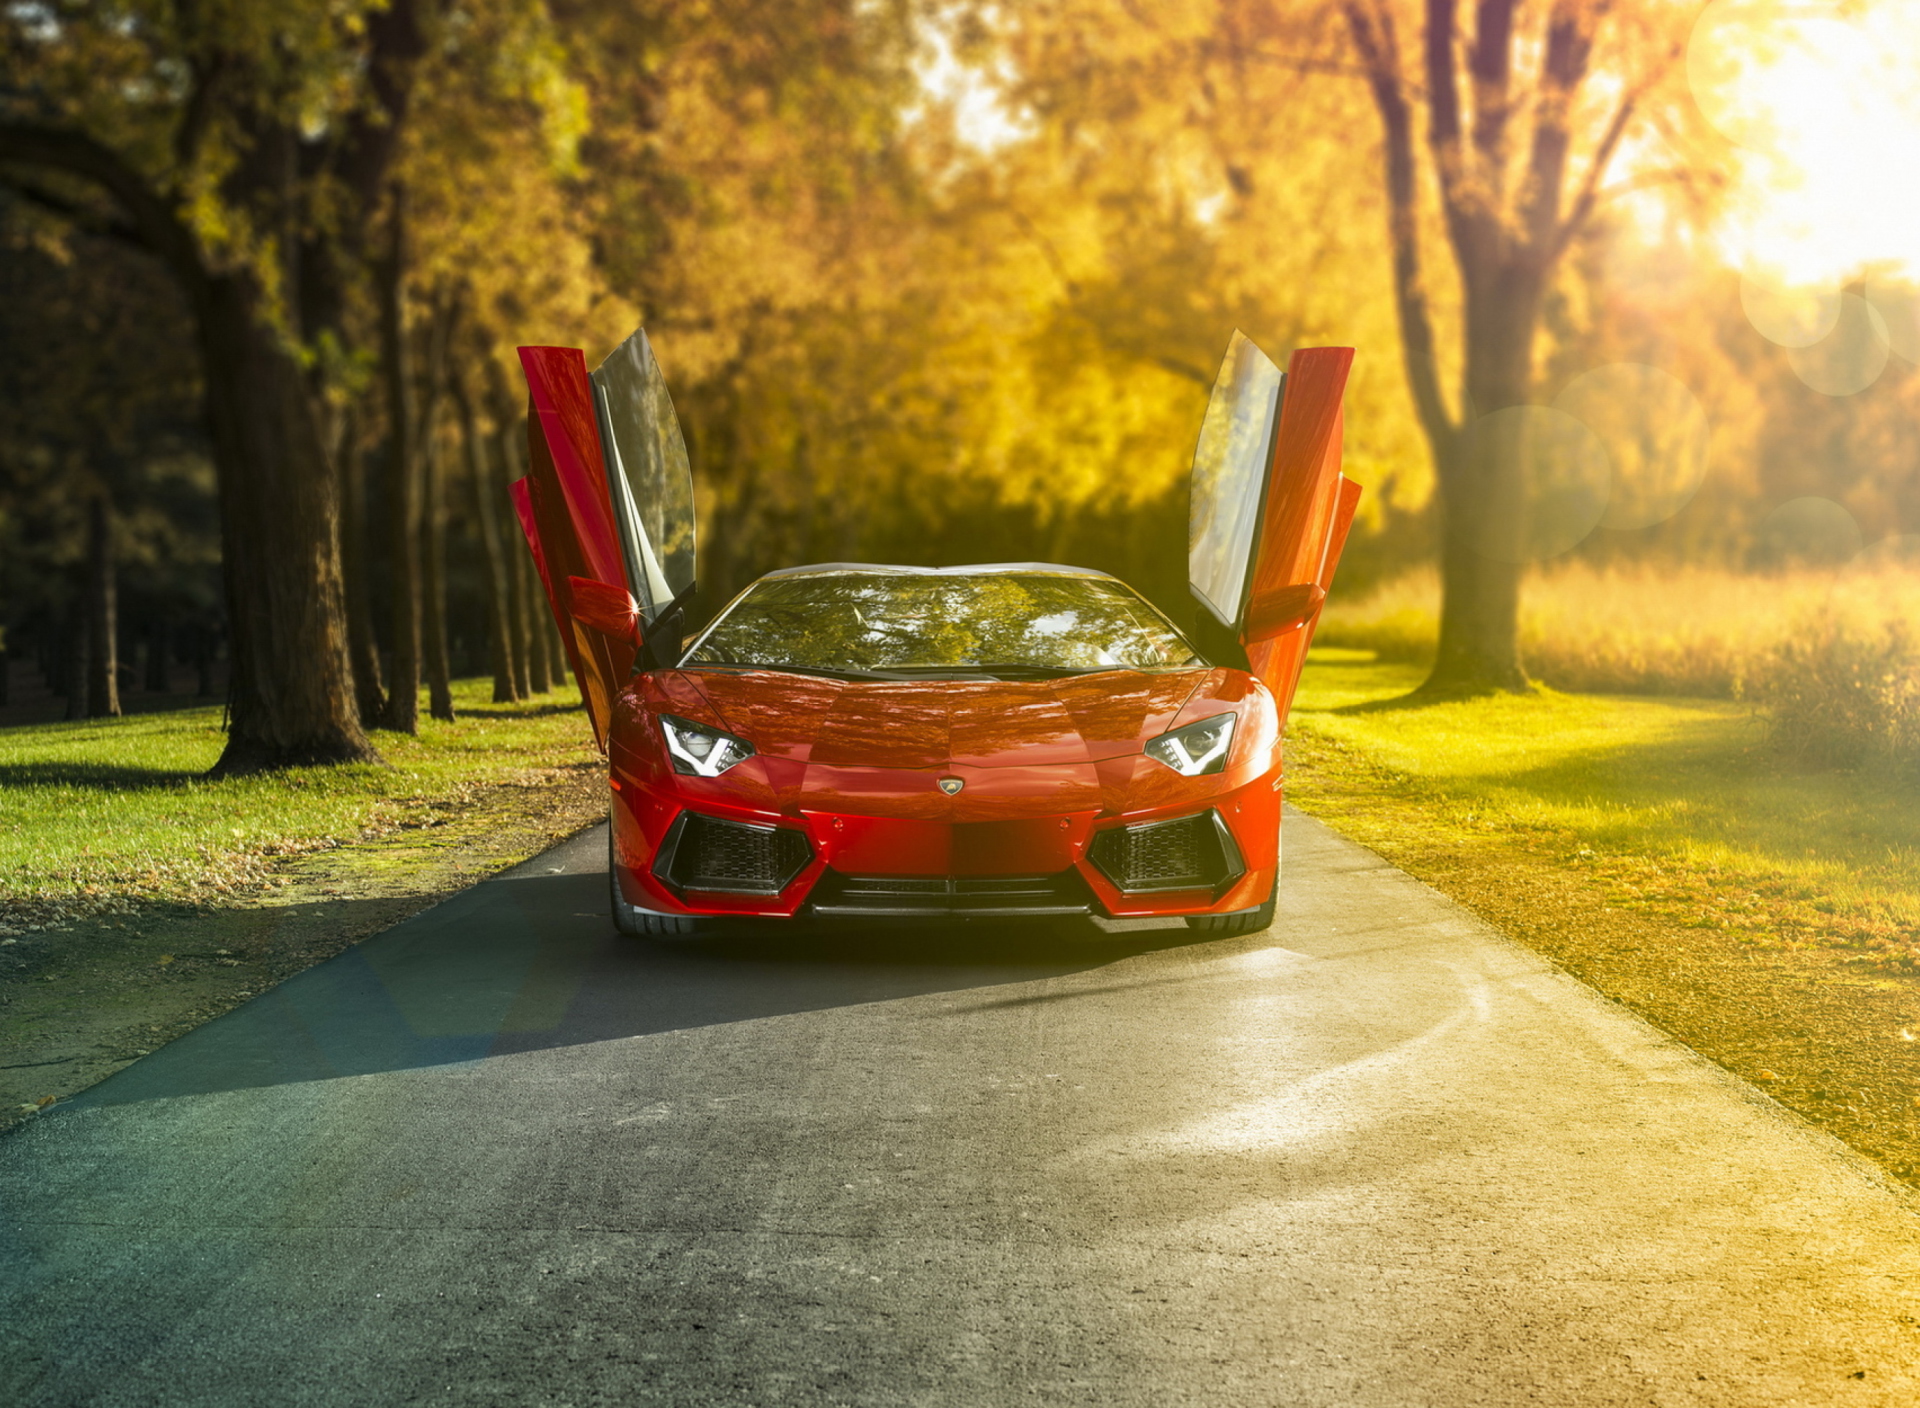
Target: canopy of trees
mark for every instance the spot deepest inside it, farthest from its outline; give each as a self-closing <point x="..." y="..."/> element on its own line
<point x="265" y="266"/>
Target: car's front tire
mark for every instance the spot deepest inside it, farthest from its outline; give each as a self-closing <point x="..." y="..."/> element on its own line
<point x="1241" y="921"/>
<point x="637" y="923"/>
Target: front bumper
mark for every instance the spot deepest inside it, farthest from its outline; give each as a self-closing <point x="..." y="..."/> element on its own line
<point x="688" y="847"/>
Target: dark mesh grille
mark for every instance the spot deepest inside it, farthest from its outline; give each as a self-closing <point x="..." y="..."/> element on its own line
<point x="724" y="855"/>
<point x="909" y="895"/>
<point x="1187" y="854"/>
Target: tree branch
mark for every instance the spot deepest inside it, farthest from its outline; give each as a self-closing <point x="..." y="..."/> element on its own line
<point x="147" y="214"/>
<point x="1491" y="65"/>
<point x="1583" y="202"/>
<point x="82" y="216"/>
<point x="1184" y="369"/>
<point x="1294" y="64"/>
<point x="1589" y="192"/>
<point x="197" y="115"/>
<point x="395" y="44"/>
<point x="1562" y="69"/>
<point x="1443" y="96"/>
<point x="1373" y="38"/>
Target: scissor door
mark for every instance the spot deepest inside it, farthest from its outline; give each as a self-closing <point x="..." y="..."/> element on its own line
<point x="1304" y="524"/>
<point x="567" y="512"/>
<point x="1229" y="482"/>
<point x="650" y="481"/>
<point x="1270" y="510"/>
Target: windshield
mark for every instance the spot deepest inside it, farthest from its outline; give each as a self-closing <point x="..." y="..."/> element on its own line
<point x="907" y="625"/>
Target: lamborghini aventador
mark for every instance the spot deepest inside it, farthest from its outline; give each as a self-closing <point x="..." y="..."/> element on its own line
<point x="1014" y="740"/>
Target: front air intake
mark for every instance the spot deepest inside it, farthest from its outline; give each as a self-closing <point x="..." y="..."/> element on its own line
<point x="705" y="853"/>
<point x="1191" y="853"/>
<point x="952" y="896"/>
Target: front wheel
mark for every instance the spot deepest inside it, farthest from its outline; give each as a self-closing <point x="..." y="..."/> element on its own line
<point x="1243" y="921"/>
<point x="637" y="923"/>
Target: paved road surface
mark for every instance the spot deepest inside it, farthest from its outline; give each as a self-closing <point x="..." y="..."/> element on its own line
<point x="1375" y="1156"/>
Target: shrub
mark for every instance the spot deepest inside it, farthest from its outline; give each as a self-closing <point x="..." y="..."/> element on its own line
<point x="1843" y="694"/>
<point x="1830" y="655"/>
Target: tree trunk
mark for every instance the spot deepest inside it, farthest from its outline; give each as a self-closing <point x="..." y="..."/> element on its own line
<point x="159" y="647"/>
<point x="534" y="619"/>
<point x="1484" y="486"/>
<point x="513" y="580"/>
<point x="523" y="586"/>
<point x="546" y="657"/>
<point x="557" y="669"/>
<point x="74" y="676"/>
<point x="363" y="642"/>
<point x="1508" y="226"/>
<point x="47" y="651"/>
<point x="203" y="661"/>
<point x="103" y="627"/>
<point x="402" y="713"/>
<point x="486" y="519"/>
<point x="290" y="686"/>
<point x="433" y="517"/>
<point x="433" y="585"/>
<point x="290" y="693"/>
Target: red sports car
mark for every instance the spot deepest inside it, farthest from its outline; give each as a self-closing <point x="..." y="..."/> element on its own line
<point x="1011" y="740"/>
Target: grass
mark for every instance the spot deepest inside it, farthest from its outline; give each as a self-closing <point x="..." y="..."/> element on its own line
<point x="1830" y="654"/>
<point x="1764" y="913"/>
<point x="1680" y="802"/>
<point x="98" y="816"/>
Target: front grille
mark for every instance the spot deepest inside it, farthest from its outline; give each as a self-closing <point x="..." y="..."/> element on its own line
<point x="705" y="853"/>
<point x="922" y="896"/>
<point x="1192" y="853"/>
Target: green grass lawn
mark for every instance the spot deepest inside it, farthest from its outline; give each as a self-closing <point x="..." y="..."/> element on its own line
<point x="101" y="811"/>
<point x="1675" y="800"/>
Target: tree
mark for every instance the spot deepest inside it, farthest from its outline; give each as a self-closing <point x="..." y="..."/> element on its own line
<point x="225" y="141"/>
<point x="102" y="470"/>
<point x="1523" y="117"/>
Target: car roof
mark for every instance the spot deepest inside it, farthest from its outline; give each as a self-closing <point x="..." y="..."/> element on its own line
<point x="976" y="569"/>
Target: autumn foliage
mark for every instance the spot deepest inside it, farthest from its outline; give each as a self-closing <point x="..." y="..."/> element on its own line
<point x="930" y="282"/>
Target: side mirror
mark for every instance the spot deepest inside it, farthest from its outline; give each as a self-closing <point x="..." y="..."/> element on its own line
<point x="1274" y="613"/>
<point x="609" y="610"/>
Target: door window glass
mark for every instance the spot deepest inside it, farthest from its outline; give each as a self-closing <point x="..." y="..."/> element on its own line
<point x="1229" y="473"/>
<point x="647" y="474"/>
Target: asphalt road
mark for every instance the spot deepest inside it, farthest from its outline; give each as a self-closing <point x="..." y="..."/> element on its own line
<point x="1375" y="1156"/>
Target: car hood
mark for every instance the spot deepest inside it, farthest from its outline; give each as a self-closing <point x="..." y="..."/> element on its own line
<point x="932" y="723"/>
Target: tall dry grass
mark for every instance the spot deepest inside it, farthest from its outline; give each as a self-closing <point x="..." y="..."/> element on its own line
<point x="1833" y="656"/>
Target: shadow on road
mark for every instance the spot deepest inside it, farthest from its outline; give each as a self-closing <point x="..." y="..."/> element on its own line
<point x="530" y="961"/>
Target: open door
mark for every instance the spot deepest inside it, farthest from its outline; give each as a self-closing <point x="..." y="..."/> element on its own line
<point x="607" y="507"/>
<point x="1269" y="510"/>
<point x="651" y="484"/>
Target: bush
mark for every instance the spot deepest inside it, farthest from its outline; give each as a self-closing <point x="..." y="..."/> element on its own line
<point x="1397" y="620"/>
<point x="1845" y="695"/>
<point x="1829" y="655"/>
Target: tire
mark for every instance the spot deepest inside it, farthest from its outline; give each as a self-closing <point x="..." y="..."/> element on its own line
<point x="1232" y="926"/>
<point x="637" y="923"/>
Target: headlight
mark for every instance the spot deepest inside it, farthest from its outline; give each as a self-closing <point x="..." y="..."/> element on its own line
<point x="699" y="750"/>
<point x="1196" y="749"/>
